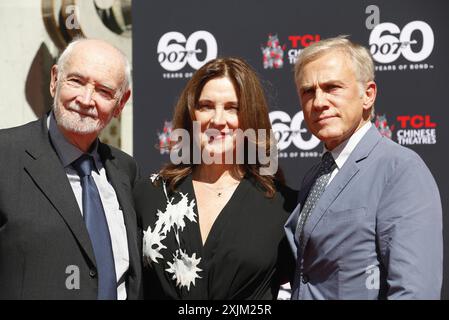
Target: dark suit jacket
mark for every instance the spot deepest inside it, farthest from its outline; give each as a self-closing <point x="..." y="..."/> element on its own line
<point x="43" y="238"/>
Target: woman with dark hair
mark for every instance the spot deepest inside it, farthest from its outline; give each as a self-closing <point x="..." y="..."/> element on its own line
<point x="213" y="229"/>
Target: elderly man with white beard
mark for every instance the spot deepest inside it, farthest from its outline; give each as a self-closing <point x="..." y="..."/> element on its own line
<point x="67" y="224"/>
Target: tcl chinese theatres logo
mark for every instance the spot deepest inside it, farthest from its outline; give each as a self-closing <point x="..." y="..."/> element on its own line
<point x="412" y="129"/>
<point x="273" y="52"/>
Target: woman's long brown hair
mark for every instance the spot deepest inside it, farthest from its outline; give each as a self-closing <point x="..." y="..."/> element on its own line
<point x="252" y="114"/>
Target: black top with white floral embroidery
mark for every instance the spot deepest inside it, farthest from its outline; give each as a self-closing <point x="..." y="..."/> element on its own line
<point x="245" y="256"/>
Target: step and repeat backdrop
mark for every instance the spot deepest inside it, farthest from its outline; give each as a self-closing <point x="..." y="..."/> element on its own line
<point x="409" y="41"/>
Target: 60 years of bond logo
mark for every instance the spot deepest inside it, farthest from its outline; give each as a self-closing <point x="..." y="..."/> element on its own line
<point x="290" y="131"/>
<point x="175" y="51"/>
<point x="414" y="42"/>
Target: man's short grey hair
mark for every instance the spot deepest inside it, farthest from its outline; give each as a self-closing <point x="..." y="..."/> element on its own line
<point x="359" y="55"/>
<point x="65" y="55"/>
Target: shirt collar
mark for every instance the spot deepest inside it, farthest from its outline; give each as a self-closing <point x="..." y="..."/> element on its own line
<point x="66" y="151"/>
<point x="342" y="152"/>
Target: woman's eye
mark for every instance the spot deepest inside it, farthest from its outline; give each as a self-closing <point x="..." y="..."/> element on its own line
<point x="233" y="109"/>
<point x="205" y="107"/>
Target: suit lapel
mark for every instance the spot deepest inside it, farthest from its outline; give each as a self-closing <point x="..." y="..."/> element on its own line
<point x="341" y="180"/>
<point x="46" y="170"/>
<point x="121" y="183"/>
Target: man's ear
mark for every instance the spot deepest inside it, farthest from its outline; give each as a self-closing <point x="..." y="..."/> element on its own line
<point x="369" y="95"/>
<point x="122" y="103"/>
<point x="54" y="80"/>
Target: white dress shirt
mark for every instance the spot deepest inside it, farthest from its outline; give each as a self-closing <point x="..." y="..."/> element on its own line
<point x="68" y="153"/>
<point x="342" y="152"/>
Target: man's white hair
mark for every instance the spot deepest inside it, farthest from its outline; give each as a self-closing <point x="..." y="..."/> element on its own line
<point x="360" y="57"/>
<point x="65" y="55"/>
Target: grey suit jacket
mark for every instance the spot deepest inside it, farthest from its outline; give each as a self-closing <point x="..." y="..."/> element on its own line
<point x="42" y="232"/>
<point x="376" y="231"/>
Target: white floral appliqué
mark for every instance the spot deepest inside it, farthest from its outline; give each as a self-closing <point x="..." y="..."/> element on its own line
<point x="183" y="267"/>
<point x="152" y="245"/>
<point x="173" y="216"/>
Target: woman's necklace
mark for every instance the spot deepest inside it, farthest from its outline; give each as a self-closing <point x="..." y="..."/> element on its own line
<point x="221" y="190"/>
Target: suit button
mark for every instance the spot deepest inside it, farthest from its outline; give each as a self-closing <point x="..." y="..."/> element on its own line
<point x="305" y="278"/>
<point x="92" y="273"/>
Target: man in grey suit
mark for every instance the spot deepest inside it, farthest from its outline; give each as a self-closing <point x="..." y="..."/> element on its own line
<point x="369" y="220"/>
<point x="67" y="224"/>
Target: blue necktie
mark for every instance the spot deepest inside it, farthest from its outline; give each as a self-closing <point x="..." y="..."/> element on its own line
<point x="98" y="229"/>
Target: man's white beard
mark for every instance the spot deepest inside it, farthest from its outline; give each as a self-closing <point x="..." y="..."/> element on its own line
<point x="74" y="122"/>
